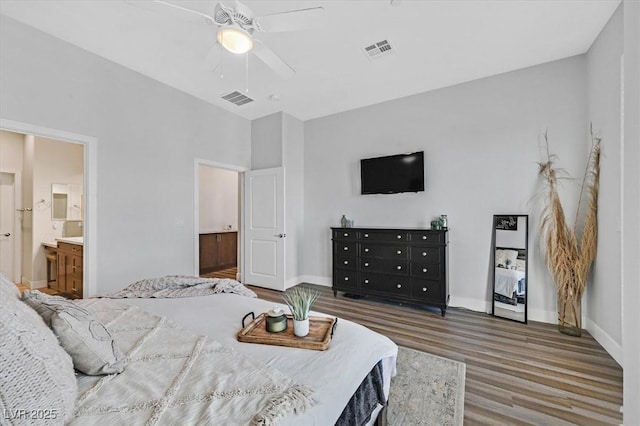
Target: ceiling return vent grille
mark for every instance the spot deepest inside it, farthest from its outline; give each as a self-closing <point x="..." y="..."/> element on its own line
<point x="378" y="50"/>
<point x="237" y="98"/>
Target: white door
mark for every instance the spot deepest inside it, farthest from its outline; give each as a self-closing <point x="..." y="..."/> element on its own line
<point x="7" y="222"/>
<point x="264" y="233"/>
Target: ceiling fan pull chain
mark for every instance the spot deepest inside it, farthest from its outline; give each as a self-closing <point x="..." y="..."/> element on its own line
<point x="246" y="72"/>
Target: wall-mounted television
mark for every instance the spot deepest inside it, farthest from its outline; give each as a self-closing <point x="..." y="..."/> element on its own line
<point x="392" y="174"/>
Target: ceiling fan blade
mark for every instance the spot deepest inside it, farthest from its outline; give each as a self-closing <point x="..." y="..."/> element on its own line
<point x="272" y="60"/>
<point x="293" y="20"/>
<point x="188" y="12"/>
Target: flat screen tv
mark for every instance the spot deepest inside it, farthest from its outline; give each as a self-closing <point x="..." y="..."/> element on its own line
<point x="392" y="174"/>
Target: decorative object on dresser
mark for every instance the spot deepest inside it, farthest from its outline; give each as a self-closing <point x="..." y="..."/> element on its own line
<point x="401" y="265"/>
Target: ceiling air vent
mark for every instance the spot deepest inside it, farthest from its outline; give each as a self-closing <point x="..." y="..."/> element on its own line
<point x="237" y="98"/>
<point x="378" y="50"/>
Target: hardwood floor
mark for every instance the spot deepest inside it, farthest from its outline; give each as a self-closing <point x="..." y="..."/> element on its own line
<point x="230" y="273"/>
<point x="22" y="288"/>
<point x="516" y="374"/>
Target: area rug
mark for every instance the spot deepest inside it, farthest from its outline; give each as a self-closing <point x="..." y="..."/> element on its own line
<point x="428" y="390"/>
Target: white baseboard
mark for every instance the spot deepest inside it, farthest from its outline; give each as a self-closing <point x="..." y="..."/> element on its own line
<point x="317" y="280"/>
<point x="310" y="279"/>
<point x="607" y="342"/>
<point x="472" y="304"/>
<point x="32" y="285"/>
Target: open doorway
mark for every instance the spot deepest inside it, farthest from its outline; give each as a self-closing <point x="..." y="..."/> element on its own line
<point x="42" y="181"/>
<point x="218" y="224"/>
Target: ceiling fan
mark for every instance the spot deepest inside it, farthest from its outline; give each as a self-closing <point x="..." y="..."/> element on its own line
<point x="237" y="24"/>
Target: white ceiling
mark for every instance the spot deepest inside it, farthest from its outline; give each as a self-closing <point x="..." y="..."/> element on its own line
<point x="436" y="44"/>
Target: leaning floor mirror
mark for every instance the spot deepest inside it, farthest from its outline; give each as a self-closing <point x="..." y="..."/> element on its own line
<point x="510" y="261"/>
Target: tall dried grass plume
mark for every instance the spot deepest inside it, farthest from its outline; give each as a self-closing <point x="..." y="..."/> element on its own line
<point x="569" y="251"/>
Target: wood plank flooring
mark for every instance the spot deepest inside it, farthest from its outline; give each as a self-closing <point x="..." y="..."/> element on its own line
<point x="516" y="374"/>
<point x="230" y="273"/>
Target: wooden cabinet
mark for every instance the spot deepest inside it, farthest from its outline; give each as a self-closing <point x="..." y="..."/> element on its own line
<point x="402" y="265"/>
<point x="70" y="270"/>
<point x="218" y="251"/>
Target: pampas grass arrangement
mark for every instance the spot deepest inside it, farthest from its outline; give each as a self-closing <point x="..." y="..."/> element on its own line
<point x="300" y="300"/>
<point x="568" y="255"/>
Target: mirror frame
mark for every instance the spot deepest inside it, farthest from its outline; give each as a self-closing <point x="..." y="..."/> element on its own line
<point x="494" y="247"/>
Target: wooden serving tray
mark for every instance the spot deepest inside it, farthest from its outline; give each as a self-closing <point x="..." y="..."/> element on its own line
<point x="319" y="337"/>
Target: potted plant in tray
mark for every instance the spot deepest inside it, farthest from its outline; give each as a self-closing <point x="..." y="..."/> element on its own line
<point x="300" y="300"/>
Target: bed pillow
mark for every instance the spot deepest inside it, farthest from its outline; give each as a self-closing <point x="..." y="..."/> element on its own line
<point x="37" y="374"/>
<point x="520" y="265"/>
<point x="506" y="258"/>
<point x="81" y="334"/>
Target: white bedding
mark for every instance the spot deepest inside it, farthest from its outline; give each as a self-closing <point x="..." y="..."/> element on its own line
<point x="334" y="374"/>
<point x="506" y="282"/>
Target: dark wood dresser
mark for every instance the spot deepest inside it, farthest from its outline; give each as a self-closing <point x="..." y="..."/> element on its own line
<point x="401" y="265"/>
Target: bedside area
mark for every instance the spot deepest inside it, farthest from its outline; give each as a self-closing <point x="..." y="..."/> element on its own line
<point x="65" y="266"/>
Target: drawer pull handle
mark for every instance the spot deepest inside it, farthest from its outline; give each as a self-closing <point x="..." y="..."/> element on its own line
<point x="398" y="267"/>
<point x="345" y="248"/>
<point x="399" y="285"/>
<point x="366" y="281"/>
<point x="366" y="264"/>
<point x="366" y="235"/>
<point x="346" y="234"/>
<point x="424" y="253"/>
<point x="399" y="237"/>
<point x="366" y="250"/>
<point x="399" y="252"/>
<point x="424" y="269"/>
<point x="424" y="289"/>
<point x="346" y="278"/>
<point x="346" y="262"/>
<point x="424" y="237"/>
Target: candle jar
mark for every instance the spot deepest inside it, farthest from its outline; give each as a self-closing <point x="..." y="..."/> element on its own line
<point x="276" y="320"/>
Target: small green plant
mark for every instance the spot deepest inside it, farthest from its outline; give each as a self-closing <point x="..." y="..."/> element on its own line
<point x="300" y="300"/>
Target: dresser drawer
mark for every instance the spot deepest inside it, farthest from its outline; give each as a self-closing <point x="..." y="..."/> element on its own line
<point x="384" y="266"/>
<point x="389" y="252"/>
<point x="390" y="284"/>
<point x="346" y="262"/>
<point x="343" y="278"/>
<point x="429" y="237"/>
<point x="427" y="290"/>
<point x="424" y="270"/>
<point x="387" y="236"/>
<point x="344" y="234"/>
<point x="425" y="254"/>
<point x="343" y="248"/>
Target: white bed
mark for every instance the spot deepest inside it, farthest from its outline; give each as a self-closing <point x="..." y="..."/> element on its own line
<point x="334" y="374"/>
<point x="176" y="360"/>
<point x="506" y="281"/>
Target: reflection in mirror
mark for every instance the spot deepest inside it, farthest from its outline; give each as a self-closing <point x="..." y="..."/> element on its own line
<point x="66" y="201"/>
<point x="510" y="258"/>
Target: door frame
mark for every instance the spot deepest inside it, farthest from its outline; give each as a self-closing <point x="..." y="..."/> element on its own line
<point x="196" y="211"/>
<point x="90" y="177"/>
<point x="17" y="228"/>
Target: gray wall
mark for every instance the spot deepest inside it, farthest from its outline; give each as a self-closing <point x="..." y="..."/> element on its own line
<point x="631" y="209"/>
<point x="482" y="141"/>
<point x="148" y="136"/>
<point x="603" y="296"/>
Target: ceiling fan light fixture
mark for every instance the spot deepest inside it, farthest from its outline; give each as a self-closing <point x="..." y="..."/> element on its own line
<point x="235" y="40"/>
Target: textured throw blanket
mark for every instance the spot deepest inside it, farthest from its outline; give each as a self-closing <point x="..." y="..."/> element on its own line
<point x="181" y="286"/>
<point x="175" y="377"/>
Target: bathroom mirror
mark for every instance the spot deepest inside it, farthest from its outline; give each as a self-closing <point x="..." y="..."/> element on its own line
<point x="66" y="201"/>
<point x="510" y="264"/>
